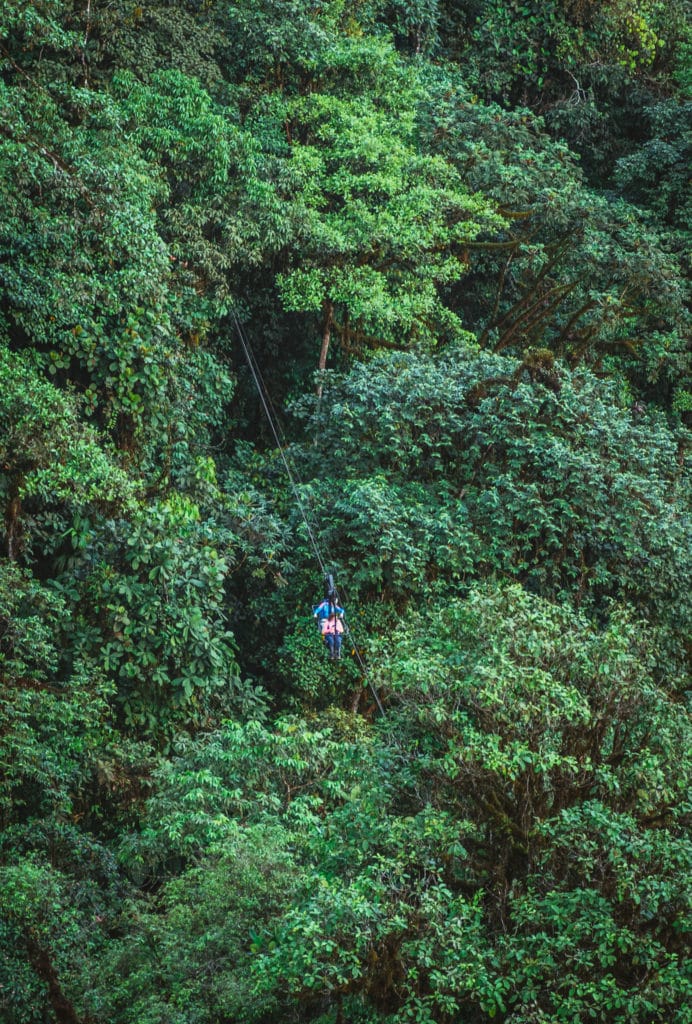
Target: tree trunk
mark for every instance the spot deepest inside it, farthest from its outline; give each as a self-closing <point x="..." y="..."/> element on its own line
<point x="326" y="336"/>
<point x="61" y="1006"/>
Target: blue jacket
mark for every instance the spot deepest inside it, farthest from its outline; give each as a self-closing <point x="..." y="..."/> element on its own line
<point x="324" y="610"/>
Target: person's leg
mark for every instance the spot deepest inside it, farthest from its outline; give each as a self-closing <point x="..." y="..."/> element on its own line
<point x="329" y="637"/>
<point x="337" y="645"/>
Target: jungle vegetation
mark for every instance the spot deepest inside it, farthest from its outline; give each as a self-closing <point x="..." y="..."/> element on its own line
<point x="455" y="235"/>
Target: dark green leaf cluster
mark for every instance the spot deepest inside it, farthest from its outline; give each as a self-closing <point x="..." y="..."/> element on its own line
<point x="444" y="470"/>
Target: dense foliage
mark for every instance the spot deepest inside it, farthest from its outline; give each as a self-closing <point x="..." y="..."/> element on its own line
<point x="453" y="239"/>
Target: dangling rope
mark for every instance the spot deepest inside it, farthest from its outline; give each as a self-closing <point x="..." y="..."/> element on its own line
<point x="363" y="668"/>
<point x="356" y="651"/>
<point x="294" y="479"/>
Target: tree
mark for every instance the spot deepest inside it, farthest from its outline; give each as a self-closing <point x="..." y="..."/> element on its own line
<point x="579" y="271"/>
<point x="381" y="229"/>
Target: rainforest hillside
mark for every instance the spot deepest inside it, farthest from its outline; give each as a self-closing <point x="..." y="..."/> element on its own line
<point x="396" y="291"/>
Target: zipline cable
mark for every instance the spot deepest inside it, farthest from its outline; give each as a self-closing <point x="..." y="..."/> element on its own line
<point x="266" y="400"/>
<point x="363" y="668"/>
<point x="294" y="479"/>
<point x="265" y="389"/>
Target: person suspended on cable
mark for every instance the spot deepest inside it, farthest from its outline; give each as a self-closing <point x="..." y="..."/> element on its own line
<point x="331" y="628"/>
<point x="329" y="615"/>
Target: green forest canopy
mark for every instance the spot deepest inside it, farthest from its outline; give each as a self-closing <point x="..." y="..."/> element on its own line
<point x="456" y="238"/>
